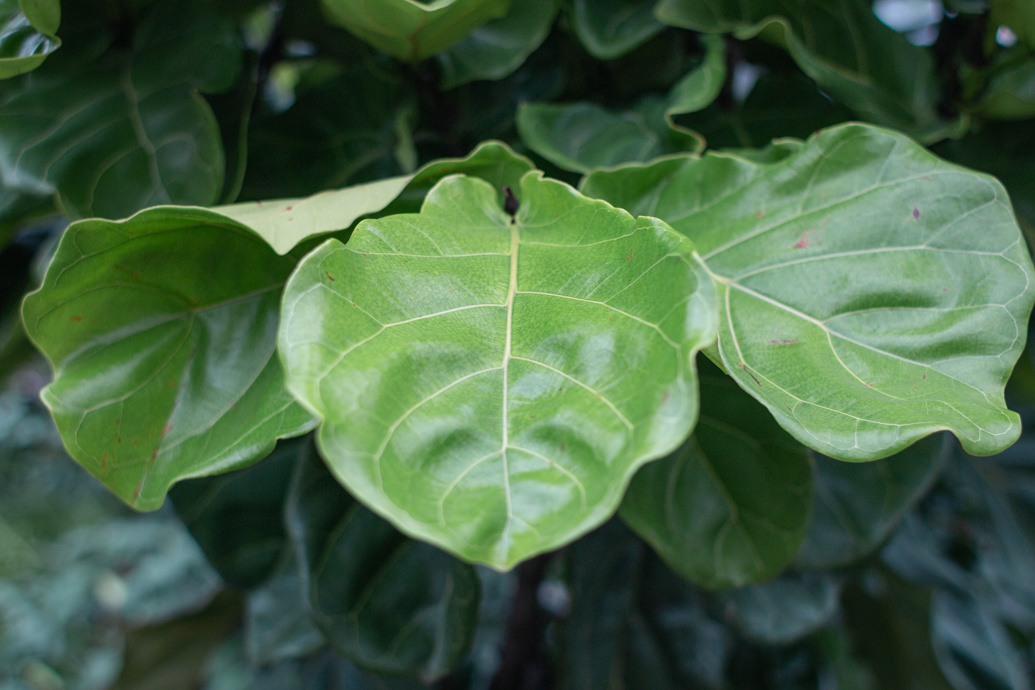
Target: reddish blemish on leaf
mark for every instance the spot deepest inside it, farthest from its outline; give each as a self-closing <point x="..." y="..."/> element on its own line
<point x="290" y="208"/>
<point x="804" y="241"/>
<point x="945" y="289"/>
<point x="117" y="421"/>
<point x="75" y="319"/>
<point x="131" y="274"/>
<point x="167" y="429"/>
<point x="562" y="446"/>
<point x="916" y="214"/>
<point x="925" y="377"/>
<point x="870" y="385"/>
<point x="665" y="398"/>
<point x="630" y="257"/>
<point x="748" y="371"/>
<point x="760" y="215"/>
<point x="329" y="277"/>
<point x="104" y="463"/>
<point x="926" y="178"/>
<point x="788" y="341"/>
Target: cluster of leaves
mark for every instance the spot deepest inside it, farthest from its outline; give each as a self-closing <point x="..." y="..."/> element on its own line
<point x="481" y="351"/>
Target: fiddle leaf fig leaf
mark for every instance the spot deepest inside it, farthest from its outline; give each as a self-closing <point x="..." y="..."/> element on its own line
<point x="842" y="45"/>
<point x="498" y="48"/>
<point x="389" y="603"/>
<point x="611" y="28"/>
<point x="731" y="506"/>
<point x="284" y="223"/>
<point x="409" y="29"/>
<point x="26" y="41"/>
<point x="871" y="294"/>
<point x="584" y="136"/>
<point x="490" y="383"/>
<point x="163" y="369"/>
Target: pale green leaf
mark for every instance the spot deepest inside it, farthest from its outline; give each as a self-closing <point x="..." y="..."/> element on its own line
<point x="871" y="294"/>
<point x="491" y="385"/>
<point x="25" y="43"/>
<point x="842" y="45"/>
<point x="412" y="30"/>
<point x="499" y="47"/>
<point x="162" y="330"/>
<point x="45" y="15"/>
<point x="585" y="136"/>
<point x="116" y="132"/>
<point x="731" y="506"/>
<point x="611" y="28"/>
<point x="387" y="602"/>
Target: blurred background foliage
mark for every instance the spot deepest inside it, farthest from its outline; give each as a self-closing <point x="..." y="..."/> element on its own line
<point x="925" y="580"/>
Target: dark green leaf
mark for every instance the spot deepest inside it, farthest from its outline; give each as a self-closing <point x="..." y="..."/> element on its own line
<point x="163" y="369"/>
<point x="1010" y="92"/>
<point x="611" y="28"/>
<point x="871" y="293"/>
<point x="411" y="29"/>
<point x="785" y="609"/>
<point x="855" y="506"/>
<point x="584" y="136"/>
<point x="497" y="48"/>
<point x="490" y="384"/>
<point x="113" y="131"/>
<point x="732" y="505"/>
<point x="388" y="603"/>
<point x="1018" y="15"/>
<point x="277" y="621"/>
<point x="841" y="44"/>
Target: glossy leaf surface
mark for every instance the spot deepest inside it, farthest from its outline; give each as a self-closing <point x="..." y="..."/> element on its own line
<point x="163" y="369"/>
<point x="855" y="506"/>
<point x="611" y="28"/>
<point x="871" y="294"/>
<point x="497" y="48"/>
<point x="388" y="603"/>
<point x="113" y="131"/>
<point x="731" y="506"/>
<point x="842" y="45"/>
<point x="25" y="43"/>
<point x="584" y="136"/>
<point x="409" y="29"/>
<point x="488" y="385"/>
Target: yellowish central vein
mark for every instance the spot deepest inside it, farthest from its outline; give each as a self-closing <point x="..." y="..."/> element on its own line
<point x="511" y="291"/>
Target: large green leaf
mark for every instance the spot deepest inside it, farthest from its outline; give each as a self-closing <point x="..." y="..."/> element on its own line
<point x="284" y="223"/>
<point x="26" y="41"/>
<point x="411" y="29"/>
<point x="499" y="47"/>
<point x="490" y="384"/>
<point x="584" y="136"/>
<point x="731" y="506"/>
<point x="112" y="130"/>
<point x="785" y="609"/>
<point x="387" y="602"/>
<point x="841" y="44"/>
<point x="871" y="294"/>
<point x="855" y="506"/>
<point x="611" y="28"/>
<point x="162" y="330"/>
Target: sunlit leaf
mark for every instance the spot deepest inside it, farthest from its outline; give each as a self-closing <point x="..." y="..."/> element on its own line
<point x="584" y="136"/>
<point x="496" y="49"/>
<point x="611" y="28"/>
<point x="855" y="506"/>
<point x="731" y="506"/>
<point x="163" y="369"/>
<point x="410" y="29"/>
<point x="841" y="44"/>
<point x="871" y="294"/>
<point x="387" y="602"/>
<point x="489" y="384"/>
<point x="112" y="131"/>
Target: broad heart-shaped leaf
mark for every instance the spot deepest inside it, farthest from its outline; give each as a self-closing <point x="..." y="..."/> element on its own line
<point x="111" y="131"/>
<point x="841" y="44"/>
<point x="388" y="603"/>
<point x="496" y="49"/>
<point x="871" y="294"/>
<point x="855" y="506"/>
<point x="162" y="330"/>
<point x="611" y="28"/>
<point x="24" y="44"/>
<point x="731" y="506"/>
<point x="284" y="223"/>
<point x="490" y="385"/>
<point x="412" y="30"/>
<point x="584" y="136"/>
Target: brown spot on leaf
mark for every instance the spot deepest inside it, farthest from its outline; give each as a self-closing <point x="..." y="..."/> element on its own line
<point x="744" y="367"/>
<point x="787" y="341"/>
<point x="131" y="274"/>
<point x="562" y="446"/>
<point x="630" y="257"/>
<point x="329" y="277"/>
<point x="916" y="214"/>
<point x="804" y="241"/>
<point x="75" y="319"/>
